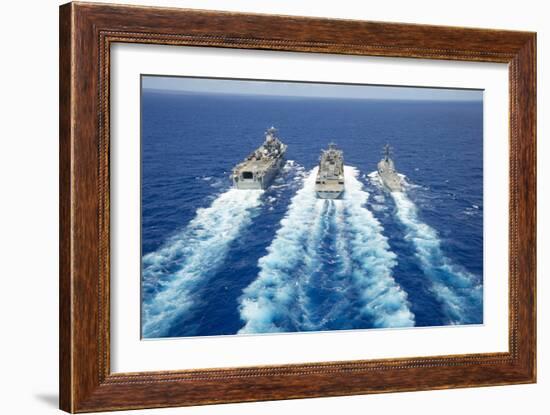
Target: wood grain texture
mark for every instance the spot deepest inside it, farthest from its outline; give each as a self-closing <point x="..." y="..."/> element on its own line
<point x="65" y="246"/>
<point x="86" y="33"/>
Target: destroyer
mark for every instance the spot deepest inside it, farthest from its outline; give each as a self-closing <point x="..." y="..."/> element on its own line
<point x="259" y="169"/>
<point x="387" y="173"/>
<point x="330" y="177"/>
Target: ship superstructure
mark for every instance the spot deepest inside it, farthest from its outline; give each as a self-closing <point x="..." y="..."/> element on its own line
<point x="259" y="169"/>
<point x="329" y="183"/>
<point x="388" y="174"/>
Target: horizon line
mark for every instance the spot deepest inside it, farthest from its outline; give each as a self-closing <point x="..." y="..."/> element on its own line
<point x="194" y="92"/>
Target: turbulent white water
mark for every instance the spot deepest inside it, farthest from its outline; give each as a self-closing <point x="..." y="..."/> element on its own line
<point x="384" y="302"/>
<point x="271" y="296"/>
<point x="277" y="300"/>
<point x="459" y="291"/>
<point x="185" y="262"/>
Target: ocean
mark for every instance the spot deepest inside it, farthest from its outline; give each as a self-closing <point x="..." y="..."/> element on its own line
<point x="219" y="261"/>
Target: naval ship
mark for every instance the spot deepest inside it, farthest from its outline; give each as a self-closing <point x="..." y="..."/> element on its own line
<point x="330" y="177"/>
<point x="387" y="173"/>
<point x="259" y="169"/>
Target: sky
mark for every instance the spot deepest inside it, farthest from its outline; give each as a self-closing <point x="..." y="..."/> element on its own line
<point x="304" y="89"/>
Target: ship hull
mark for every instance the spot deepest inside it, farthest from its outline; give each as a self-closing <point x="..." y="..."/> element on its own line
<point x="264" y="182"/>
<point x="391" y="182"/>
<point x="331" y="194"/>
<point x="390" y="179"/>
<point x="329" y="183"/>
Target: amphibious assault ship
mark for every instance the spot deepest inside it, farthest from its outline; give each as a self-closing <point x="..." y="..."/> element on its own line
<point x="387" y="173"/>
<point x="330" y="177"/>
<point x="259" y="169"/>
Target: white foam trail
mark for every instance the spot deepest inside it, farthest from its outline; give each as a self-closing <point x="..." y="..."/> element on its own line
<point x="458" y="290"/>
<point x="184" y="263"/>
<point x="269" y="299"/>
<point x="341" y="242"/>
<point x="276" y="300"/>
<point x="383" y="300"/>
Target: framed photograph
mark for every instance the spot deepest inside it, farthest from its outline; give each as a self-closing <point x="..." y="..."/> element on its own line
<point x="258" y="207"/>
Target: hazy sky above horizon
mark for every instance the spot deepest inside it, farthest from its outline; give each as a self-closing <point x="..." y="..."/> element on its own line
<point x="304" y="89"/>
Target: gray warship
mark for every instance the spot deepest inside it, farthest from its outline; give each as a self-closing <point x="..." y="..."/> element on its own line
<point x="330" y="177"/>
<point x="387" y="172"/>
<point x="259" y="169"/>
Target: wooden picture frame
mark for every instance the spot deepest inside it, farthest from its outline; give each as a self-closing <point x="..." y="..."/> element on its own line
<point x="86" y="33"/>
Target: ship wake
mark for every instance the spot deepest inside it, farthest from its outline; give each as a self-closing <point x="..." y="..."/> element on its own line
<point x="273" y="301"/>
<point x="172" y="274"/>
<point x="331" y="245"/>
<point x="459" y="291"/>
<point x="383" y="300"/>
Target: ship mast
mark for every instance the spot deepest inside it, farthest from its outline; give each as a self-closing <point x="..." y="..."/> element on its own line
<point x="387" y="152"/>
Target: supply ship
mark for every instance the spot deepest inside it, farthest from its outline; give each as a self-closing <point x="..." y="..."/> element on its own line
<point x="388" y="174"/>
<point x="259" y="169"/>
<point x="330" y="177"/>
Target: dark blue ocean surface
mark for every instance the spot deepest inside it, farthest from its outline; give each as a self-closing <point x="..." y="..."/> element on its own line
<point x="218" y="261"/>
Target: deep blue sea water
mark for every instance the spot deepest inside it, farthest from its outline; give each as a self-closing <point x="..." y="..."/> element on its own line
<point x="218" y="261"/>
